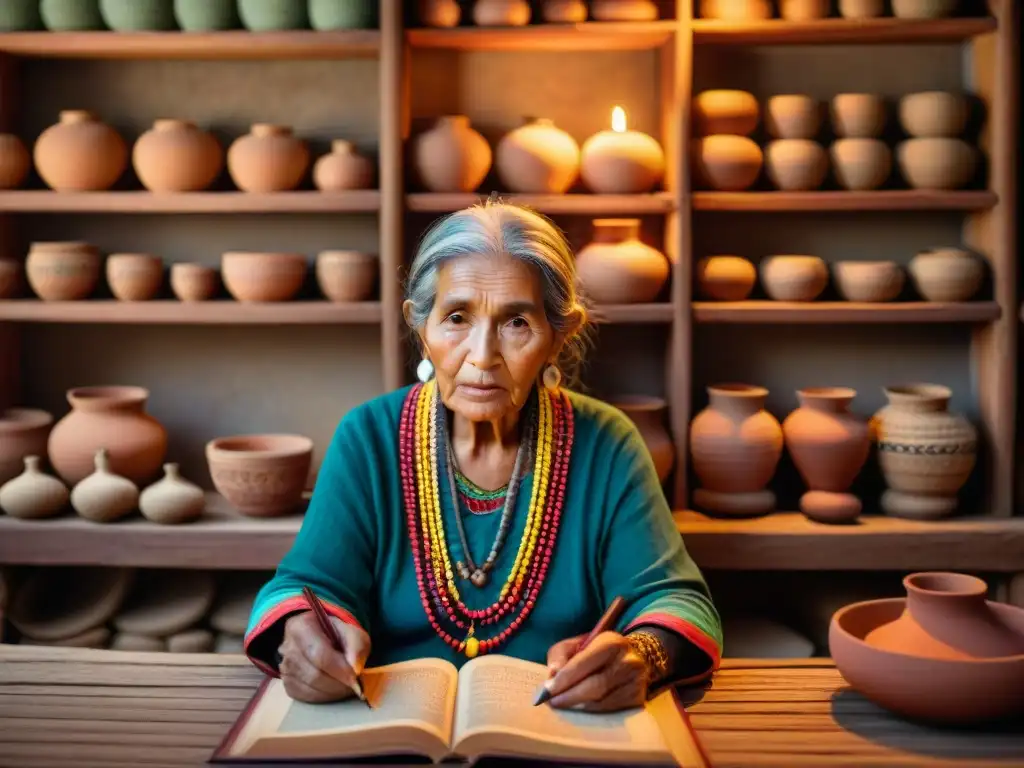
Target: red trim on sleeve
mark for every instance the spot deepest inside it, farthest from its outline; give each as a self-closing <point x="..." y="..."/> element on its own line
<point x="680" y="626"/>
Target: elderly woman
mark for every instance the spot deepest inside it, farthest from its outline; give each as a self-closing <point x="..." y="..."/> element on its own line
<point x="488" y="509"/>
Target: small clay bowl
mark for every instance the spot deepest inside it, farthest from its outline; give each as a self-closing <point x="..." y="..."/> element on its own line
<point x="940" y="163"/>
<point x="134" y="276"/>
<point x="346" y="275"/>
<point x="194" y="282"/>
<point x="725" y="111"/>
<point x="947" y="274"/>
<point x="725" y="278"/>
<point x="794" y="278"/>
<point x="857" y="115"/>
<point x="793" y="116"/>
<point x="727" y="163"/>
<point x="869" y="281"/>
<point x="261" y="475"/>
<point x="263" y="277"/>
<point x="933" y="114"/>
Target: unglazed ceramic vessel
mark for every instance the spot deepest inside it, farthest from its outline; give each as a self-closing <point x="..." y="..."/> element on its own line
<point x="343" y="168"/>
<point x="933" y="114"/>
<point x="621" y="161"/>
<point x="736" y="446"/>
<point x="452" y="156"/>
<point x="138" y="15"/>
<point x="104" y="496"/>
<point x="261" y="475"/>
<point x="60" y="602"/>
<point x="501" y="13"/>
<point x="648" y="414"/>
<point x="33" y="494"/>
<point x="727" y="163"/>
<point x="173" y="499"/>
<point x="923" y="9"/>
<point x="725" y="111"/>
<point x="829" y="446"/>
<point x="616" y="267"/>
<point x="938" y="163"/>
<point x="23" y="432"/>
<point x="926" y="453"/>
<point x="861" y="9"/>
<point x="857" y="115"/>
<point x="803" y="10"/>
<point x="347" y="275"/>
<point x="176" y="156"/>
<point x="734" y="10"/>
<point x="563" y="11"/>
<point x="206" y="15"/>
<point x="624" y="10"/>
<point x="270" y="158"/>
<point x="264" y="16"/>
<point x="947" y="274"/>
<point x="194" y="282"/>
<point x="80" y="153"/>
<point x="15" y="161"/>
<point x="261" y="277"/>
<point x="725" y="278"/>
<point x="134" y="276"/>
<point x="907" y="654"/>
<point x="861" y="164"/>
<point x="795" y="165"/>
<point x="439" y="13"/>
<point x="793" y="278"/>
<point x="792" y="116"/>
<point x="325" y="15"/>
<point x="537" y="157"/>
<point x="869" y="281"/>
<point x="62" y="271"/>
<point x="71" y="15"/>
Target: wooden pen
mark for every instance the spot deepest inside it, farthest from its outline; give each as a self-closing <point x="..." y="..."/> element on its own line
<point x="332" y="634"/>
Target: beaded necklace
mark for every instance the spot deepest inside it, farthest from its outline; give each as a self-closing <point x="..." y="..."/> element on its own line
<point x="476" y="499"/>
<point x="453" y="621"/>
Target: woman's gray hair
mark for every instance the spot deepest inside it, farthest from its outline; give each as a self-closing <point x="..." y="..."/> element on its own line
<point x="493" y="229"/>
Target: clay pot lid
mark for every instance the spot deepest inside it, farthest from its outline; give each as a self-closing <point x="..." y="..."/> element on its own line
<point x="60" y="602"/>
<point x="20" y="419"/>
<point x="164" y="602"/>
<point x="260" y="446"/>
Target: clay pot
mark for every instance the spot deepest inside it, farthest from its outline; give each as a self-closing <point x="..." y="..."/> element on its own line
<point x="104" y="496"/>
<point x="501" y="13"/>
<point x="194" y="282"/>
<point x="940" y="163"/>
<point x="113" y="418"/>
<point x="347" y="275"/>
<point x="861" y="9"/>
<point x="796" y="164"/>
<point x="792" y="116"/>
<point x="926" y="453"/>
<point x="793" y="278"/>
<point x="138" y="15"/>
<point x="829" y="446"/>
<point x="933" y="114"/>
<point x="563" y="11"/>
<point x="134" y="276"/>
<point x="62" y="271"/>
<point x="736" y="446"/>
<point x="175" y="156"/>
<point x="803" y="10"/>
<point x="727" y="163"/>
<point x="451" y="156"/>
<point x="947" y="274"/>
<point x="261" y="475"/>
<point x="857" y="115"/>
<point x="906" y="654"/>
<point x="268" y="159"/>
<point x="624" y="10"/>
<point x="734" y="10"/>
<point x="326" y="15"/>
<point x="60" y="602"/>
<point x="15" y="162"/>
<point x="621" y="162"/>
<point x="164" y="602"/>
<point x="538" y="157"/>
<point x="725" y="111"/>
<point x="616" y="267"/>
<point x="173" y="499"/>
<point x="869" y="281"/>
<point x="33" y="495"/>
<point x="71" y="15"/>
<point x="923" y="9"/>
<point x="206" y="15"/>
<point x="19" y="15"/>
<point x="273" y="15"/>
<point x="260" y="277"/>
<point x="23" y="432"/>
<point x="10" y="279"/>
<point x="861" y="164"/>
<point x="440" y="13"/>
<point x="343" y="168"/>
<point x="648" y="414"/>
<point x="80" y="153"/>
<point x="725" y="278"/>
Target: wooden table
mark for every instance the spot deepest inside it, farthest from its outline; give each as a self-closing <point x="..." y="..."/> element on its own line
<point x="62" y="707"/>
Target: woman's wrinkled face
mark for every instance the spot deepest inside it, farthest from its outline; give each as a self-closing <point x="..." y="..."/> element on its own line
<point x="488" y="336"/>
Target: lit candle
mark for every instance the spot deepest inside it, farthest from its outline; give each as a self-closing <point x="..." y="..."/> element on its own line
<point x="621" y="161"/>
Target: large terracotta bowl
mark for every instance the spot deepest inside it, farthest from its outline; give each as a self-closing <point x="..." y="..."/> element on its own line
<point x="926" y="689"/>
<point x="261" y="475"/>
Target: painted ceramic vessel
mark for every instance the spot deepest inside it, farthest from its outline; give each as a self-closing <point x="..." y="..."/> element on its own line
<point x="261" y="475"/>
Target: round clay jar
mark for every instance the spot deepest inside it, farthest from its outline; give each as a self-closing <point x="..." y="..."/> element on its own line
<point x="792" y="116"/>
<point x="938" y="164"/>
<point x="342" y="169"/>
<point x="796" y="165"/>
<point x="80" y="153"/>
<point x="861" y="164"/>
<point x="725" y="111"/>
<point x="63" y="271"/>
<point x="793" y="278"/>
<point x="15" y="162"/>
<point x="727" y="163"/>
<point x="175" y="156"/>
<point x="33" y="495"/>
<point x="725" y="278"/>
<point x="194" y="282"/>
<point x="933" y="114"/>
<point x="857" y="115"/>
<point x="270" y="158"/>
<point x="452" y="156"/>
<point x="616" y="267"/>
<point x="869" y="281"/>
<point x="134" y="276"/>
<point x="501" y="13"/>
<point x="538" y="157"/>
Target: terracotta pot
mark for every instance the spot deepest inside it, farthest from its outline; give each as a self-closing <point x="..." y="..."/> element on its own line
<point x="440" y="13"/>
<point x="736" y="446"/>
<point x="563" y="11"/>
<point x="10" y="279"/>
<point x="829" y="446"/>
<point x="273" y="15"/>
<point x="113" y="418"/>
<point x="175" y="156"/>
<point x="138" y="15"/>
<point x="861" y="164"/>
<point x="947" y="274"/>
<point x="621" y="162"/>
<point x="923" y="9"/>
<point x="71" y="15"/>
<point x="326" y="15"/>
<point x="59" y="602"/>
<point x="347" y="275"/>
<point x="793" y="116"/>
<point x="501" y="13"/>
<point x="268" y="159"/>
<point x="538" y="157"/>
<point x="616" y="267"/>
<point x="134" y="276"/>
<point x="725" y="278"/>
<point x="734" y="10"/>
<point x="857" y="115"/>
<point x="343" y="168"/>
<point x="648" y="414"/>
<point x="861" y="9"/>
<point x="206" y="15"/>
<point x="451" y="156"/>
<point x="104" y="496"/>
<point x="261" y="475"/>
<point x="33" y="495"/>
<point x="725" y="111"/>
<point x="906" y="654"/>
<point x="869" y="281"/>
<point x="194" y="282"/>
<point x="80" y="153"/>
<point x="62" y="271"/>
<point x="925" y="452"/>
<point x="260" y="277"/>
<point x="796" y="165"/>
<point x="803" y="10"/>
<point x="173" y="499"/>
<point x="933" y="114"/>
<point x="726" y="163"/>
<point x="23" y="432"/>
<point x="624" y="10"/>
<point x="793" y="278"/>
<point x="15" y="162"/>
<point x="936" y="163"/>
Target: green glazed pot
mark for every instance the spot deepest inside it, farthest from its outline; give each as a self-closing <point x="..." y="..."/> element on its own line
<point x="271" y="15"/>
<point x="205" y="15"/>
<point x="71" y="15"/>
<point x="325" y="15"/>
<point x="138" y="15"/>
<point x="19" y="15"/>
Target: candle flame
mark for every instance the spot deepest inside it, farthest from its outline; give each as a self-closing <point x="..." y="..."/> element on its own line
<point x="619" y="120"/>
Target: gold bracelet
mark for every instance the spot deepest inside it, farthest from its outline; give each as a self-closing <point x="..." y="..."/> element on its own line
<point x="652" y="651"/>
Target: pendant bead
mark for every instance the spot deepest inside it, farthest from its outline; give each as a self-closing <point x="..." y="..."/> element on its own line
<point x="472" y="647"/>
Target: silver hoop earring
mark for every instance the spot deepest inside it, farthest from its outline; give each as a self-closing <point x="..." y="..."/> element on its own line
<point x="425" y="370"/>
<point x="552" y="377"/>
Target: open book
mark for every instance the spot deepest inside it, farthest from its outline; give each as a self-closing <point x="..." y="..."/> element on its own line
<point x="427" y="708"/>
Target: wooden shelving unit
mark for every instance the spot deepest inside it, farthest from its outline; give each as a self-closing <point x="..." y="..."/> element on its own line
<point x="672" y="48"/>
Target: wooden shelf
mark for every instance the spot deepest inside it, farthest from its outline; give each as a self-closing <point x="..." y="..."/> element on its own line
<point x="840" y="31"/>
<point x="45" y="201"/>
<point x="581" y="204"/>
<point x="844" y="312"/>
<point x="885" y="200"/>
<point x="171" y="312"/>
<point x="789" y="541"/>
<point x="588" y="36"/>
<point x="234" y="44"/>
<point x="633" y="313"/>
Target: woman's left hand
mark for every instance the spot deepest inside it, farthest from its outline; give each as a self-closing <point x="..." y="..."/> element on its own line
<point x="607" y="675"/>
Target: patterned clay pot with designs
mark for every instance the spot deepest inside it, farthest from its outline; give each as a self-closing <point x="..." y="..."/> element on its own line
<point x="261" y="475"/>
<point x="62" y="271"/>
<point x="926" y="453"/>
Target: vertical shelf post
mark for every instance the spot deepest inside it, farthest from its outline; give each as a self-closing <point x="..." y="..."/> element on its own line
<point x="10" y="384"/>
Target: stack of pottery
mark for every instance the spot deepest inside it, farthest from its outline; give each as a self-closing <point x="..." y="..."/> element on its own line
<point x="725" y="278"/>
<point x="616" y="267"/>
<point x="538" y="157"/>
<point x="724" y="157"/>
<point x="452" y="156"/>
<point x="794" y="161"/>
<point x="935" y="157"/>
<point x="164" y="612"/>
<point x="860" y="160"/>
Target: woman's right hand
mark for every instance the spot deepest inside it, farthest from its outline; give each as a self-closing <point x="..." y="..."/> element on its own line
<point x="311" y="670"/>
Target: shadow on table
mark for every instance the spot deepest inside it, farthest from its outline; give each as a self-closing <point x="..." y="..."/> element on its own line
<point x="855" y="714"/>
